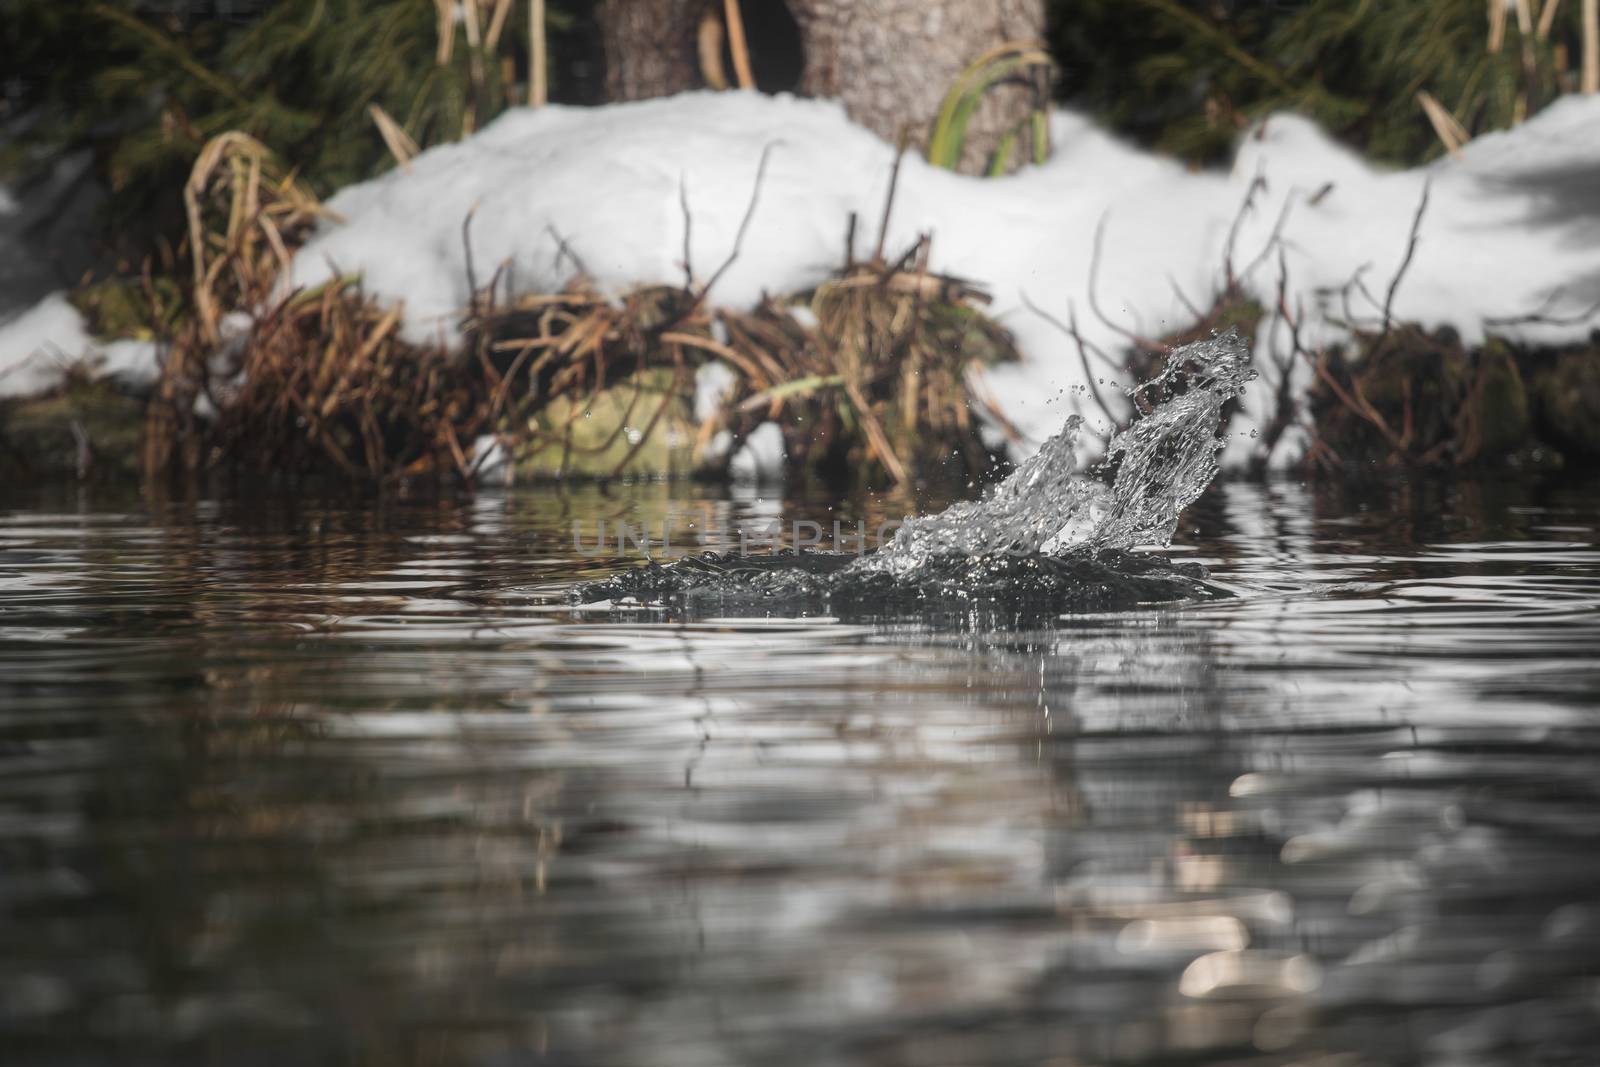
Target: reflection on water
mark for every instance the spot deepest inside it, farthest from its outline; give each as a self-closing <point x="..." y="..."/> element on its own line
<point x="300" y="783"/>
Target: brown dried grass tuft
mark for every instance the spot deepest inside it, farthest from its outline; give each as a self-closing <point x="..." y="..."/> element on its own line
<point x="878" y="389"/>
<point x="247" y="214"/>
<point x="327" y="381"/>
<point x="882" y="388"/>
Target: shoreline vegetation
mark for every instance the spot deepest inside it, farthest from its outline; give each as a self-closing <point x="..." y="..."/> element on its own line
<point x="867" y="374"/>
<point x="872" y="376"/>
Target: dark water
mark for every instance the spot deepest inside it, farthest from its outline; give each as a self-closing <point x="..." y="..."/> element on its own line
<point x="296" y="783"/>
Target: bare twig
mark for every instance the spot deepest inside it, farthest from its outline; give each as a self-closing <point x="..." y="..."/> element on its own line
<point x="1274" y="239"/>
<point x="1146" y="343"/>
<point x="1542" y="317"/>
<point x="1083" y="353"/>
<point x="1183" y="298"/>
<point x="888" y="199"/>
<point x="1356" y="400"/>
<point x="564" y="248"/>
<point x="688" y="232"/>
<point x="744" y="224"/>
<point x="1257" y="184"/>
<point x="1284" y="406"/>
<point x="1405" y="263"/>
<point x="466" y="250"/>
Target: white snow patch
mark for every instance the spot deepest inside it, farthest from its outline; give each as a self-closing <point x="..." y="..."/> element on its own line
<point x="713" y="383"/>
<point x="40" y="344"/>
<point x="761" y="458"/>
<point x="1512" y="228"/>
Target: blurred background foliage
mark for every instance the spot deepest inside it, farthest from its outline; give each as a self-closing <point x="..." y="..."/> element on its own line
<point x="1186" y="76"/>
<point x="142" y="84"/>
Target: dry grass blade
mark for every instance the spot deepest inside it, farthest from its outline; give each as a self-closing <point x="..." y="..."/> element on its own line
<point x="538" y="78"/>
<point x="446" y="11"/>
<point x="1547" y="18"/>
<point x="737" y="45"/>
<point x="708" y="47"/>
<point x="228" y="174"/>
<point x="395" y="138"/>
<point x="1591" y="46"/>
<point x="1450" y="132"/>
<point x="497" y="25"/>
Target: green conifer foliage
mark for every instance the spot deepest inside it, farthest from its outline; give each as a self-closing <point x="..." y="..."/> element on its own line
<point x="1187" y="75"/>
<point x="145" y="84"/>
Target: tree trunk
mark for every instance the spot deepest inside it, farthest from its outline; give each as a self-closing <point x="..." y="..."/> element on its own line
<point x="649" y="47"/>
<point x="890" y="61"/>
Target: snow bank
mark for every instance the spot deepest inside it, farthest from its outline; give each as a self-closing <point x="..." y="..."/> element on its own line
<point x="1512" y="228"/>
<point x="40" y="344"/>
<point x="1510" y="240"/>
<point x="36" y="345"/>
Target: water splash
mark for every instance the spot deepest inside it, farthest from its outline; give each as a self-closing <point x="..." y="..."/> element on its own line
<point x="1163" y="462"/>
<point x="1047" y="540"/>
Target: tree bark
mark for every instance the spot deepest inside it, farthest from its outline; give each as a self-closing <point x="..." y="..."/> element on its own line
<point x="649" y="47"/>
<point x="890" y="61"/>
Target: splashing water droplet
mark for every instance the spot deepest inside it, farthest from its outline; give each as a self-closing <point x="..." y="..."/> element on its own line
<point x="1163" y="462"/>
<point x="1046" y="538"/>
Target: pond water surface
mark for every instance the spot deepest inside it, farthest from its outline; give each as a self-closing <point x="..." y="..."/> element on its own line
<point x="295" y="782"/>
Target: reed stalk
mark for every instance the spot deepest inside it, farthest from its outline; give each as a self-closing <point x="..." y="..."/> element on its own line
<point x="1547" y="19"/>
<point x="1591" y="46"/>
<point x="737" y="44"/>
<point x="497" y="25"/>
<point x="395" y="138"/>
<point x="445" y="10"/>
<point x="1450" y="132"/>
<point x="538" y="73"/>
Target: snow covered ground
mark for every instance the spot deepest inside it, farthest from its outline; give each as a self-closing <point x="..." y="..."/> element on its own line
<point x="1512" y="227"/>
<point x="40" y="344"/>
<point x="46" y="228"/>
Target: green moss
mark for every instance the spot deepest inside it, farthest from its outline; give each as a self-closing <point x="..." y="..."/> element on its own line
<point x="85" y="428"/>
<point x="589" y="440"/>
<point x="1416" y="381"/>
<point x="1497" y="408"/>
<point x="1567" y="393"/>
<point x="123" y="308"/>
<point x="1413" y="398"/>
